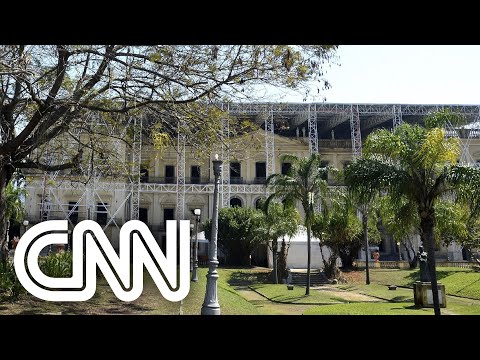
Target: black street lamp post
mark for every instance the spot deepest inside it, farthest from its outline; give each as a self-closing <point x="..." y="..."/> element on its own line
<point x="210" y="303"/>
<point x="197" y="213"/>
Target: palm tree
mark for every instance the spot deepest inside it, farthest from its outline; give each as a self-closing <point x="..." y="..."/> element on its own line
<point x="364" y="201"/>
<point x="419" y="163"/>
<point x="304" y="182"/>
<point x="338" y="227"/>
<point x="278" y="221"/>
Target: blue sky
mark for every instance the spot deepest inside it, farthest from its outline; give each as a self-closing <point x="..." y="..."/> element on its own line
<point x="405" y="74"/>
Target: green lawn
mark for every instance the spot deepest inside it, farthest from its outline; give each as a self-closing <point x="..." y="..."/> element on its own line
<point x="236" y="296"/>
<point x="280" y="293"/>
<point x="381" y="292"/>
<point x="150" y="302"/>
<point x="403" y="308"/>
<point x="457" y="281"/>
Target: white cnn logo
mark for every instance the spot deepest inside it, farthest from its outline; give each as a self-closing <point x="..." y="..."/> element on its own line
<point x="82" y="285"/>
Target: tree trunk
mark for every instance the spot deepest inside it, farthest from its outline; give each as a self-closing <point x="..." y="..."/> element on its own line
<point x="412" y="255"/>
<point x="5" y="176"/>
<point x="282" y="260"/>
<point x="365" y="241"/>
<point x="275" y="260"/>
<point x="426" y="225"/>
<point x="307" y="291"/>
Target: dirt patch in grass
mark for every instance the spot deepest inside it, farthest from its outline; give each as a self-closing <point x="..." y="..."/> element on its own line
<point x="353" y="297"/>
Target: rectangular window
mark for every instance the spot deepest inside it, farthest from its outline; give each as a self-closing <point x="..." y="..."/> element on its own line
<point x="169" y="174"/>
<point x="73" y="214"/>
<point x="260" y="172"/>
<point x="143" y="215"/>
<point x="102" y="213"/>
<point x="168" y="214"/>
<point x="195" y="174"/>
<point x="286" y="167"/>
<point x="143" y="175"/>
<point x="235" y="173"/>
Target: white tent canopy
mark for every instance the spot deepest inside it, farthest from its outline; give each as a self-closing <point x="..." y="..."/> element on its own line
<point x="201" y="237"/>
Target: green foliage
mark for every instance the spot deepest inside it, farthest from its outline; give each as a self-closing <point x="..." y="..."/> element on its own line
<point x="338" y="227"/>
<point x="10" y="287"/>
<point x="399" y="216"/>
<point x="277" y="222"/>
<point x="418" y="163"/>
<point x="237" y="233"/>
<point x="442" y="118"/>
<point x="15" y="208"/>
<point x="57" y="264"/>
<point x="305" y="182"/>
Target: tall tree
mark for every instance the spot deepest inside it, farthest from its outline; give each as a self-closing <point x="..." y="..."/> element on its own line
<point x="419" y="163"/>
<point x="237" y="233"/>
<point x="339" y="228"/>
<point x="363" y="197"/>
<point x="305" y="182"/>
<point x="277" y="222"/>
<point x="47" y="91"/>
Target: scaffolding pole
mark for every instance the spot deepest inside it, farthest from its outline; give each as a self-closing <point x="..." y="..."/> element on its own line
<point x="397" y="116"/>
<point x="225" y="175"/>
<point x="136" y="161"/>
<point x="181" y="170"/>
<point x="355" y="131"/>
<point x="312" y="129"/>
<point x="270" y="143"/>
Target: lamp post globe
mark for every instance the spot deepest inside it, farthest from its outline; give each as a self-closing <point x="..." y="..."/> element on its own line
<point x="25" y="224"/>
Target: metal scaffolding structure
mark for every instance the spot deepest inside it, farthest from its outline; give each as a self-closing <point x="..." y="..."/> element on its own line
<point x="319" y="118"/>
<point x="397" y="116"/>
<point x="269" y="142"/>
<point x="225" y="157"/>
<point x="136" y="164"/>
<point x="356" y="134"/>
<point x="181" y="171"/>
<point x="312" y="129"/>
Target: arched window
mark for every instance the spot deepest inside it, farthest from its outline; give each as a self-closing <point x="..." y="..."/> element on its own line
<point x="235" y="202"/>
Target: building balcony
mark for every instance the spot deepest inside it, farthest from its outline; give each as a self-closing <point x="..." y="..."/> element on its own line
<point x="75" y="220"/>
<point x="335" y="143"/>
<point x="173" y="180"/>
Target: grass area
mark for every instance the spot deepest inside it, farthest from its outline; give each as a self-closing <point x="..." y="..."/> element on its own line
<point x="457" y="281"/>
<point x="463" y="284"/>
<point x="381" y="291"/>
<point x="280" y="293"/>
<point x="236" y="297"/>
<point x="150" y="302"/>
<point x="403" y="308"/>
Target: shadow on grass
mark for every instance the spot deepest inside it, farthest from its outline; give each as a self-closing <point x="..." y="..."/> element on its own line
<point x="401" y="298"/>
<point x="248" y="278"/>
<point x="415" y="276"/>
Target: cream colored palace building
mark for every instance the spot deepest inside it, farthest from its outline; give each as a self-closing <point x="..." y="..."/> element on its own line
<point x="249" y="163"/>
